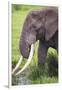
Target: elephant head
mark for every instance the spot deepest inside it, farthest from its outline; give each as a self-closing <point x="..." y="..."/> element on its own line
<point x="39" y="25"/>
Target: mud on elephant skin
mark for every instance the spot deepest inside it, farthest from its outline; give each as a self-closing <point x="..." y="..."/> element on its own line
<point x="40" y="25"/>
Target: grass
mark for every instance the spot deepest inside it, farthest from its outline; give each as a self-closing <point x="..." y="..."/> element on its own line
<point x="36" y="75"/>
<point x="44" y="80"/>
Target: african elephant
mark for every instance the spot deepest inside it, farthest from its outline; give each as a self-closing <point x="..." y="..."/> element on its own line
<point x="40" y="25"/>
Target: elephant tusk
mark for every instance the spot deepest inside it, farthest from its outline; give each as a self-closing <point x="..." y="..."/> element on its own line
<point x="17" y="65"/>
<point x="28" y="61"/>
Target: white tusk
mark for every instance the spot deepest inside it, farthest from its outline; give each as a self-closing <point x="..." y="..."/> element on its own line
<point x="28" y="61"/>
<point x="17" y="65"/>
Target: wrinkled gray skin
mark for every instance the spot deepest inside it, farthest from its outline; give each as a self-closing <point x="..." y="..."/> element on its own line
<point x="40" y="25"/>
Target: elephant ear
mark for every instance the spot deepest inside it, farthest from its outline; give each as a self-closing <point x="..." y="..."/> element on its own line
<point x="51" y="24"/>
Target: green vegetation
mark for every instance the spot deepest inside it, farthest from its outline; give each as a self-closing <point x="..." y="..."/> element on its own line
<point x="36" y="75"/>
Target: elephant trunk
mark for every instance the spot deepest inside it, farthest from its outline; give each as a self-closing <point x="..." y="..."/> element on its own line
<point x="24" y="48"/>
<point x="26" y="40"/>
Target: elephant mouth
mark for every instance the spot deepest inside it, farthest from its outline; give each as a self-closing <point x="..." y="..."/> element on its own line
<point x="27" y="63"/>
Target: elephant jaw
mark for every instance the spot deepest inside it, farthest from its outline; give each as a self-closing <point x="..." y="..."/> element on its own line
<point x="27" y="63"/>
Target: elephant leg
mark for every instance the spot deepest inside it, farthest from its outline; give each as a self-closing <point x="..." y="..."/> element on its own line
<point x="42" y="53"/>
